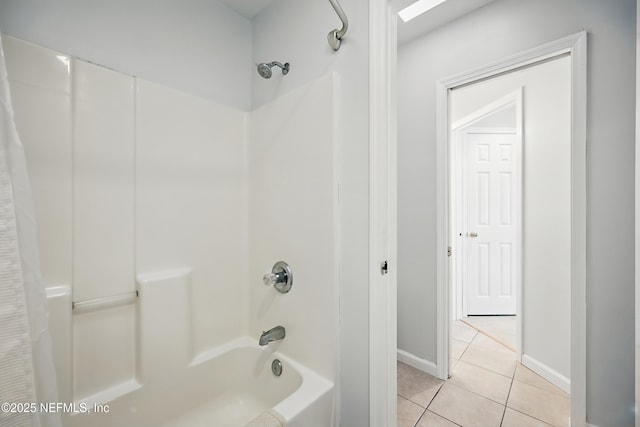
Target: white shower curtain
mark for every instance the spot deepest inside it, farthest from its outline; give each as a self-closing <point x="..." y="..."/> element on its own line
<point x="26" y="366"/>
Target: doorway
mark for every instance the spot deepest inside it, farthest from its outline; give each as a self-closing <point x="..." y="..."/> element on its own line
<point x="570" y="49"/>
<point x="485" y="188"/>
<point x="383" y="148"/>
<point x="510" y="211"/>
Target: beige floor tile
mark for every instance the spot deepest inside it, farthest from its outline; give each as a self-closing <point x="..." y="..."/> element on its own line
<point x="429" y="419"/>
<point x="516" y="419"/>
<point x="481" y="381"/>
<point x="482" y="369"/>
<point x="408" y="413"/>
<point x="463" y="332"/>
<point x="525" y="375"/>
<point x="487" y="342"/>
<point x="466" y="408"/>
<point x="502" y="328"/>
<point x="454" y="363"/>
<point x="549" y="407"/>
<point x="416" y="385"/>
<point x="502" y="361"/>
<point x="457" y="348"/>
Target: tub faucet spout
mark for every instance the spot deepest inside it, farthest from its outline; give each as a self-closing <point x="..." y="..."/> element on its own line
<point x="273" y="334"/>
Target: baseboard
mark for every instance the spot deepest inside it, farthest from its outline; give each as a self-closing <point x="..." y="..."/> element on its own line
<point x="591" y="425"/>
<point x="418" y="363"/>
<point x="547" y="373"/>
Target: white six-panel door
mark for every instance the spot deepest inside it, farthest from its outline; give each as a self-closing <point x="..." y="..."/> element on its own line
<point x="490" y="181"/>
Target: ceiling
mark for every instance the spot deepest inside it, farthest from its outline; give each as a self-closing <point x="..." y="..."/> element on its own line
<point x="247" y="8"/>
<point x="436" y="17"/>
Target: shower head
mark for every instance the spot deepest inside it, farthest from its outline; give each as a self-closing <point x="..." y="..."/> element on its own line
<point x="264" y="69"/>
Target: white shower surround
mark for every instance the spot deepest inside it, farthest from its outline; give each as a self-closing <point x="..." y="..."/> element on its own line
<point x="26" y="367"/>
<point x="230" y="386"/>
<point x="204" y="198"/>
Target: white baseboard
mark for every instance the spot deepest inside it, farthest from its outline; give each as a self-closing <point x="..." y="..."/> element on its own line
<point x="418" y="363"/>
<point x="591" y="425"/>
<point x="547" y="373"/>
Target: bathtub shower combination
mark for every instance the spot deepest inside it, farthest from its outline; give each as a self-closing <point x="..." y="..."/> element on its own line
<point x="161" y="218"/>
<point x="244" y="382"/>
<point x="235" y="386"/>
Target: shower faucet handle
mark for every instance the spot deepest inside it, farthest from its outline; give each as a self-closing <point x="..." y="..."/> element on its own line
<point x="270" y="279"/>
<point x="281" y="277"/>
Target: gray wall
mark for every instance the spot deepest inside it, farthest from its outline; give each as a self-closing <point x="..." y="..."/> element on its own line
<point x="200" y="47"/>
<point x="497" y="30"/>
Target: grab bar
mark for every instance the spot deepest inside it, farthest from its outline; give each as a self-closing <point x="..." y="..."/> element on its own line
<point x="335" y="36"/>
<point x="104" y="302"/>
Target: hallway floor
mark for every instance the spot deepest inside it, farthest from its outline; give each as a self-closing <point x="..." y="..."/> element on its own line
<point x="487" y="388"/>
<point x="500" y="328"/>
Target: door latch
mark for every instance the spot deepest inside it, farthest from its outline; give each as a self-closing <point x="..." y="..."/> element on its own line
<point x="384" y="267"/>
<point x="449" y="251"/>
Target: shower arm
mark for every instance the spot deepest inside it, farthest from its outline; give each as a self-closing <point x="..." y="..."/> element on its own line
<point x="335" y="36"/>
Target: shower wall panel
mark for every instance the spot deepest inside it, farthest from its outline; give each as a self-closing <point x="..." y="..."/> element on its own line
<point x="103" y="184"/>
<point x="191" y="205"/>
<point x="103" y="224"/>
<point x="293" y="215"/>
<point x="41" y="94"/>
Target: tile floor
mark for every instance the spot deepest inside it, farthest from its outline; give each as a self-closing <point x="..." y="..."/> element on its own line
<point x="500" y="328"/>
<point x="487" y="388"/>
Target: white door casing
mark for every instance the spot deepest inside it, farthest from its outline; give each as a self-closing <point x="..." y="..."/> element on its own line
<point x="490" y="186"/>
<point x="575" y="46"/>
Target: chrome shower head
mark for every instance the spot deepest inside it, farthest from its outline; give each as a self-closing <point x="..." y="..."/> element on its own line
<point x="264" y="69"/>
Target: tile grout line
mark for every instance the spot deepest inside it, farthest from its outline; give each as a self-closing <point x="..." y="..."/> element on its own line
<point x="464" y="351"/>
<point x="480" y="395"/>
<point x="434" y="397"/>
<point x="560" y="393"/>
<point x="424" y="410"/>
<point x="487" y="369"/>
<point x="526" y="413"/>
<point x="435" y="394"/>
<point x="499" y="341"/>
<point x="416" y="403"/>
<point x="509" y="394"/>
<point x="531" y="416"/>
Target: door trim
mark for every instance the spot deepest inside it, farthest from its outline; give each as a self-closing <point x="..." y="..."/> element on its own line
<point x="382" y="214"/>
<point x="576" y="46"/>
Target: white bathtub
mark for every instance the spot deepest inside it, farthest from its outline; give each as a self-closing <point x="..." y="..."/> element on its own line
<point x="227" y="387"/>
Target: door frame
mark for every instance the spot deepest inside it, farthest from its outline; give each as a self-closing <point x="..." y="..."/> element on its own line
<point x="383" y="306"/>
<point x="576" y="46"/>
<point x="515" y="98"/>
